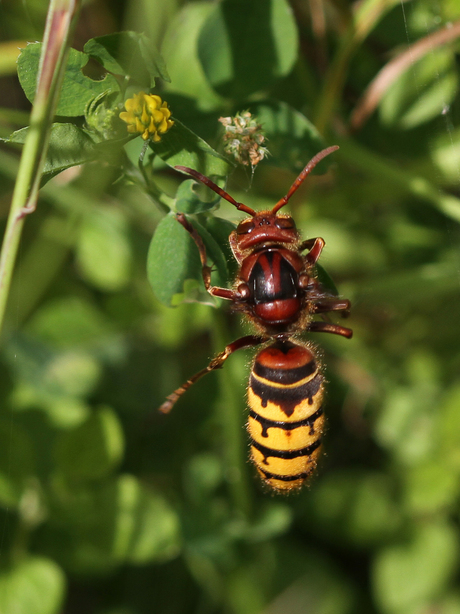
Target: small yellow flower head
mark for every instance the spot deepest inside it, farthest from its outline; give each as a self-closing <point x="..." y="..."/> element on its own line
<point x="148" y="115"/>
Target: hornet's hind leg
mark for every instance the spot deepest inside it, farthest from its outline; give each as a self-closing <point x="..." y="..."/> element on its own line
<point x="216" y="363"/>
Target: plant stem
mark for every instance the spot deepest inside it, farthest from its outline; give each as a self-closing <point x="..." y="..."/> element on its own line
<point x="61" y="18"/>
<point x="367" y="15"/>
<point x="164" y="202"/>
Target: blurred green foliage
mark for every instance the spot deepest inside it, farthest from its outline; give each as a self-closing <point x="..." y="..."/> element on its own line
<point x="108" y="507"/>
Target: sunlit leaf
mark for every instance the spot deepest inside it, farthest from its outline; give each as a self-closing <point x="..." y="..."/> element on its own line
<point x="292" y="139"/>
<point x="129" y="54"/>
<point x="121" y="521"/>
<point x="35" y="585"/>
<point x="147" y="528"/>
<point x="172" y="258"/>
<point x="448" y="428"/>
<point x="69" y="146"/>
<point x="69" y="322"/>
<point x="411" y="574"/>
<point x="77" y="89"/>
<point x="431" y="487"/>
<point x="244" y="47"/>
<point x="91" y="450"/>
<point x="103" y="249"/>
<point x="49" y="377"/>
<point x="422" y="92"/>
<point x="180" y="50"/>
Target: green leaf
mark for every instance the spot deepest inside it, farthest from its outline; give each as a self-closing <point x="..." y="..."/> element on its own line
<point x="292" y="139"/>
<point x="51" y="380"/>
<point x="422" y="92"/>
<point x="406" y="423"/>
<point x="119" y="521"/>
<point x="147" y="529"/>
<point x="129" y="54"/>
<point x="69" y="323"/>
<point x="274" y="520"/>
<point x="69" y="146"/>
<point x="203" y="474"/>
<point x="181" y="146"/>
<point x="173" y="257"/>
<point x="77" y="89"/>
<point x="355" y="507"/>
<point x="449" y="427"/>
<point x="102" y="120"/>
<point x="326" y="280"/>
<point x="188" y="201"/>
<point x="446" y="154"/>
<point x="91" y="450"/>
<point x="431" y="487"/>
<point x="220" y="230"/>
<point x="410" y="575"/>
<point x="214" y="255"/>
<point x="244" y="47"/>
<point x="103" y="249"/>
<point x="180" y="48"/>
<point x="35" y="585"/>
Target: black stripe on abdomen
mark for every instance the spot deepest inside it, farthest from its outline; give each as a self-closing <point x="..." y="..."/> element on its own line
<point x="285" y="376"/>
<point x="286" y="454"/>
<point x="286" y="426"/>
<point x="285" y="478"/>
<point x="286" y="398"/>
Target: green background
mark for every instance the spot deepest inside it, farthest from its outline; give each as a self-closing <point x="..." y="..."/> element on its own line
<point x="107" y="507"/>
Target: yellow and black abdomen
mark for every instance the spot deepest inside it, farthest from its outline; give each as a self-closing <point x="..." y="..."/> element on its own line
<point x="286" y="419"/>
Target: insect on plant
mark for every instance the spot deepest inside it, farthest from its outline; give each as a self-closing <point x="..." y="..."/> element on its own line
<point x="277" y="288"/>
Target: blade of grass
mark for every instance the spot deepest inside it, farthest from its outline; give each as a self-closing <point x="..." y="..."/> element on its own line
<point x="60" y="21"/>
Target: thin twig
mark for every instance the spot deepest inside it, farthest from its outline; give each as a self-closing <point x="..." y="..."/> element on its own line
<point x="398" y="65"/>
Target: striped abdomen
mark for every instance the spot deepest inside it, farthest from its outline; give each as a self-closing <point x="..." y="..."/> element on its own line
<point x="286" y="418"/>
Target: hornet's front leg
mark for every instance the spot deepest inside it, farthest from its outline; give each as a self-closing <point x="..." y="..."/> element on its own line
<point x="205" y="268"/>
<point x="322" y="301"/>
<point x="315" y="246"/>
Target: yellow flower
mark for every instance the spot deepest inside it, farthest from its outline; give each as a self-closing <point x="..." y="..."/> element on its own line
<point x="148" y="115"/>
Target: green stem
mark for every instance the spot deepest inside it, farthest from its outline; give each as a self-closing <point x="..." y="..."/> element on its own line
<point x="61" y="18"/>
<point x="141" y="160"/>
<point x="232" y="420"/>
<point x="367" y="15"/>
<point x="164" y="202"/>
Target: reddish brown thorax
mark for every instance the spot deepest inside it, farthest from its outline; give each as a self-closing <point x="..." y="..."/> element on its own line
<point x="268" y="282"/>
